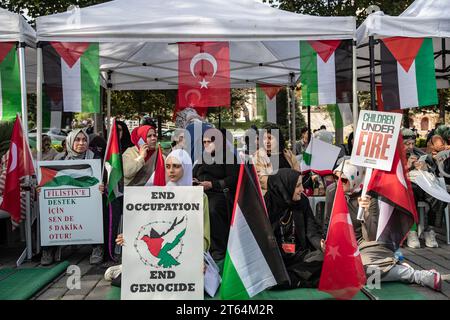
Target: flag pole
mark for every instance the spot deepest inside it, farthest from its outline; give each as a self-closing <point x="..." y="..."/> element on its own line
<point x="355" y="87"/>
<point x="24" y="107"/>
<point x="292" y="87"/>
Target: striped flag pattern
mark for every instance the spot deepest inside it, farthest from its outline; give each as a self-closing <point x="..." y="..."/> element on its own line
<point x="266" y="102"/>
<point x="252" y="262"/>
<point x="326" y="72"/>
<point x="72" y="76"/>
<point x="407" y="73"/>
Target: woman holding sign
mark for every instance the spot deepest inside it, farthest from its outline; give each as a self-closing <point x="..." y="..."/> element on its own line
<point x="77" y="143"/>
<point x="178" y="173"/>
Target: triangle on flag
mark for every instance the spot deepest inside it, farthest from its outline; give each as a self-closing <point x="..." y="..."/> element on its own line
<point x="270" y="90"/>
<point x="324" y="48"/>
<point x="70" y="51"/>
<point x="5" y="48"/>
<point x="404" y="49"/>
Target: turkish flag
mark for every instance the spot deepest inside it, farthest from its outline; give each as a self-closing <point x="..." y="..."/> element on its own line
<point x="397" y="207"/>
<point x="160" y="170"/>
<point x="203" y="74"/>
<point x="19" y="165"/>
<point x="343" y="273"/>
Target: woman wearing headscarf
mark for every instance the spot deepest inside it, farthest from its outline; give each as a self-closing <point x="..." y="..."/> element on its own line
<point x="77" y="143"/>
<point x="139" y="161"/>
<point x="219" y="180"/>
<point x="124" y="136"/>
<point x="273" y="148"/>
<point x="178" y="173"/>
<point x="375" y="255"/>
<point x="298" y="234"/>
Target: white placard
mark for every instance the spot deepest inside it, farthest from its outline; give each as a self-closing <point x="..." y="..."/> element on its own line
<point x="163" y="253"/>
<point x="376" y="139"/>
<point x="70" y="202"/>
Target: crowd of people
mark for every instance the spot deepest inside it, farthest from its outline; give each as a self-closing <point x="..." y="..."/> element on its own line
<point x="283" y="186"/>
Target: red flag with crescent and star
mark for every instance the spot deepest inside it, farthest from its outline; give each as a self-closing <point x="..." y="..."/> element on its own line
<point x="203" y="74"/>
<point x="19" y="165"/>
<point x="343" y="273"/>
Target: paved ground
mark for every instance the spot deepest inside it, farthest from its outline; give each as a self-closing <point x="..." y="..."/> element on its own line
<point x="94" y="287"/>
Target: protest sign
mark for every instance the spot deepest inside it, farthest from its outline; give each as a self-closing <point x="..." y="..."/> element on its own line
<point x="70" y="202"/>
<point x="376" y="139"/>
<point x="163" y="252"/>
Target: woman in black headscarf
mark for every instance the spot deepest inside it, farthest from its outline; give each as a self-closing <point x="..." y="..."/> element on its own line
<point x="124" y="136"/>
<point x="298" y="235"/>
<point x="219" y="180"/>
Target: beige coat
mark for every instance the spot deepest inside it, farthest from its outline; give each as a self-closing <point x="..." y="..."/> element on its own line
<point x="264" y="167"/>
<point x="136" y="171"/>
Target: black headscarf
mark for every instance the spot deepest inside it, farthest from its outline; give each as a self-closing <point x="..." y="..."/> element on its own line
<point x="97" y="145"/>
<point x="281" y="187"/>
<point x="125" y="141"/>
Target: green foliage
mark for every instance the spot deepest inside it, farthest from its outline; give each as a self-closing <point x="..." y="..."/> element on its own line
<point x="341" y="8"/>
<point x="6" y="129"/>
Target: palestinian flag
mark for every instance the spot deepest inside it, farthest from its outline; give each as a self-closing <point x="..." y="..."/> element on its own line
<point x="80" y="175"/>
<point x="253" y="261"/>
<point x="319" y="157"/>
<point x="10" y="96"/>
<point x="396" y="200"/>
<point x="266" y="102"/>
<point x="326" y="72"/>
<point x="72" y="76"/>
<point x="113" y="164"/>
<point x="407" y="73"/>
<point x="341" y="114"/>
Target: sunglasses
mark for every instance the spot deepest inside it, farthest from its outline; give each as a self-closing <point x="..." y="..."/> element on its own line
<point x="344" y="180"/>
<point x="206" y="141"/>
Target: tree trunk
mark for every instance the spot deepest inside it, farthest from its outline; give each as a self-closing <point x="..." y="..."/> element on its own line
<point x="246" y="113"/>
<point x="406" y="118"/>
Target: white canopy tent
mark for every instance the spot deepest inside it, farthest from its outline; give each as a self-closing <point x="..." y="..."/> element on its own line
<point x="138" y="38"/>
<point x="14" y="28"/>
<point x="423" y="18"/>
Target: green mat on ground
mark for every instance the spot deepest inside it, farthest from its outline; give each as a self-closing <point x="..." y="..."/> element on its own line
<point x="388" y="291"/>
<point x="22" y="284"/>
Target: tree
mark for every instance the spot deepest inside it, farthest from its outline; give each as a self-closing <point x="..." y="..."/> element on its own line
<point x="341" y="7"/>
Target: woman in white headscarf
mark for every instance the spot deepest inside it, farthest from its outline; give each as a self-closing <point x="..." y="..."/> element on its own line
<point x="178" y="166"/>
<point x="376" y="256"/>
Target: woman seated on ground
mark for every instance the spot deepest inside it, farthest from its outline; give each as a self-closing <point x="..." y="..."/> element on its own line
<point x="219" y="180"/>
<point x="139" y="160"/>
<point x="178" y="173"/>
<point x="298" y="234"/>
<point x="77" y="143"/>
<point x="374" y="254"/>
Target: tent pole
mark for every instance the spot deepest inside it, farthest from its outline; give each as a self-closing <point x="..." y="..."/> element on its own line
<point x="372" y="72"/>
<point x="308" y="108"/>
<point x="39" y="103"/>
<point x="289" y="118"/>
<point x="108" y="103"/>
<point x="355" y="88"/>
<point x="293" y="137"/>
<point x="23" y="95"/>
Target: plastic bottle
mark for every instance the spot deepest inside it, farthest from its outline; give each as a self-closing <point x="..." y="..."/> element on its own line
<point x="399" y="255"/>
